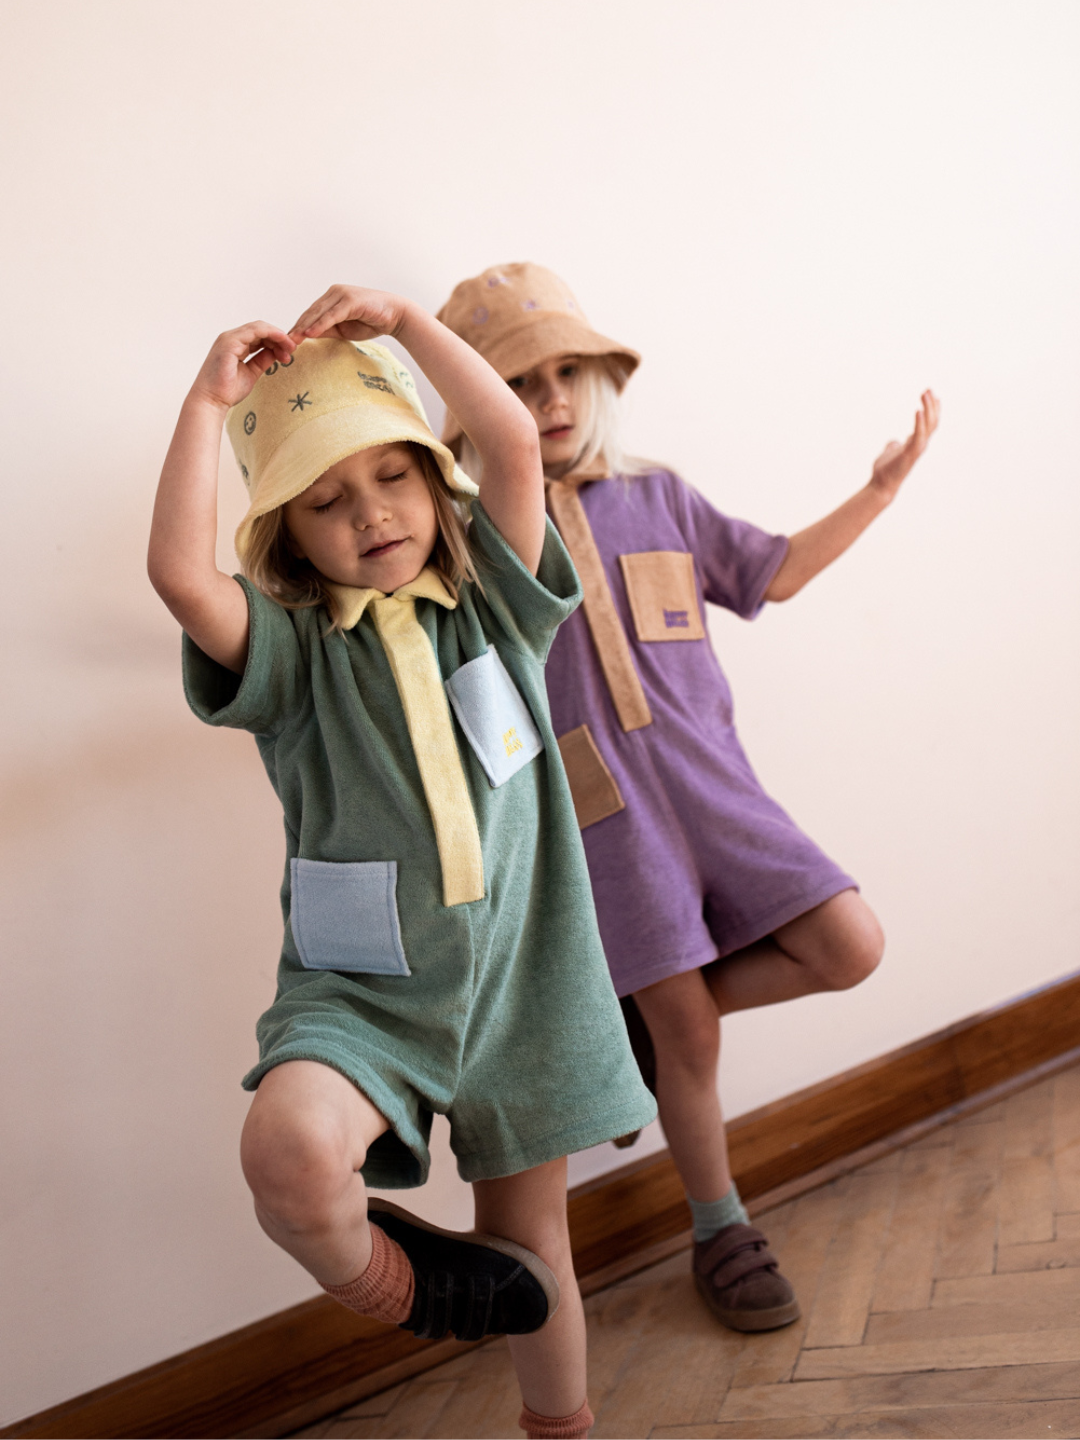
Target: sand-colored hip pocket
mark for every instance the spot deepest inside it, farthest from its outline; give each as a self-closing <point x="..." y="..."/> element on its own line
<point x="592" y="785"/>
<point x="345" y="917"/>
<point x="663" y="595"/>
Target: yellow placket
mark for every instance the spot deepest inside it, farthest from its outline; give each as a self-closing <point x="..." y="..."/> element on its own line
<point x="415" y="668"/>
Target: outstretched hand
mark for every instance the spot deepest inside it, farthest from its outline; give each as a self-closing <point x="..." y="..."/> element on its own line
<point x="349" y="312"/>
<point x="895" y="461"/>
<point x="237" y="359"/>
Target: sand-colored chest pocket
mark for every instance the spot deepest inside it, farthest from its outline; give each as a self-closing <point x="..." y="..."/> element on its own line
<point x="663" y="595"/>
<point x="345" y="917"/>
<point x="493" y="715"/>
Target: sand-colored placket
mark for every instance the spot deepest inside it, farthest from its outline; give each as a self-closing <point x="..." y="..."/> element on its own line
<point x="609" y="637"/>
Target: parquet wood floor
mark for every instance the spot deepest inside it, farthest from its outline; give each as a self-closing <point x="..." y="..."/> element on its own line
<point x="941" y="1296"/>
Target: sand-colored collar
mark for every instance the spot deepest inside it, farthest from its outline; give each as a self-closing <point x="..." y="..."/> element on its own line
<point x="426" y="586"/>
<point x="596" y="471"/>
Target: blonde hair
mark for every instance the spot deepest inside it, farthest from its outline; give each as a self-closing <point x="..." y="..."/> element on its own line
<point x="272" y="565"/>
<point x="597" y="417"/>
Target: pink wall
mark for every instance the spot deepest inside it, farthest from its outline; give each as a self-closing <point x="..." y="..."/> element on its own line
<point x="801" y="215"/>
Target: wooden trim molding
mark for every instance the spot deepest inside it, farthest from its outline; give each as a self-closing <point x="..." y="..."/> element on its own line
<point x="297" y="1366"/>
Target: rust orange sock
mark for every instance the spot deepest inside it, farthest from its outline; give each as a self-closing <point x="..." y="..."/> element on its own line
<point x="546" y="1427"/>
<point x="385" y="1289"/>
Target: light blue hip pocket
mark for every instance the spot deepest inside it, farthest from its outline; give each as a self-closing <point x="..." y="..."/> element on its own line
<point x="344" y="917"/>
<point x="494" y="716"/>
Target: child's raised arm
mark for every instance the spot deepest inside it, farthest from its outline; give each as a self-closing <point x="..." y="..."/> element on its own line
<point x="499" y="426"/>
<point x="810" y="550"/>
<point x="181" y="563"/>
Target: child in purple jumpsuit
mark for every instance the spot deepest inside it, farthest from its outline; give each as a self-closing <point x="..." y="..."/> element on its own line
<point x="710" y="898"/>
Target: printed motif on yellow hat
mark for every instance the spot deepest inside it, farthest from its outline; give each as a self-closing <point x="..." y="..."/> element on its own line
<point x="329" y="400"/>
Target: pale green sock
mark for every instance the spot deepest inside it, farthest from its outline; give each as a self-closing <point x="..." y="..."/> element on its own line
<point x="712" y="1215"/>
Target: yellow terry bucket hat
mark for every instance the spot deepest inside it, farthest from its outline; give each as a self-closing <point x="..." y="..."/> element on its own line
<point x="518" y="315"/>
<point x="330" y="399"/>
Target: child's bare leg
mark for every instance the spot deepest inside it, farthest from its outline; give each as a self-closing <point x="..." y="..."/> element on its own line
<point x="306" y="1136"/>
<point x="530" y="1208"/>
<point x="682" y="1020"/>
<point x="832" y="947"/>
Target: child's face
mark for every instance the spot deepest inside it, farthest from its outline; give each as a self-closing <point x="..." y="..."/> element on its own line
<point x="548" y="393"/>
<point x="369" y="521"/>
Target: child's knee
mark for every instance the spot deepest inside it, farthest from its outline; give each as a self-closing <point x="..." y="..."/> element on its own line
<point x="857" y="951"/>
<point x="295" y="1169"/>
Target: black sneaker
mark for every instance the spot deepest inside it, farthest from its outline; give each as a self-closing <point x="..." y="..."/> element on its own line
<point x="470" y="1285"/>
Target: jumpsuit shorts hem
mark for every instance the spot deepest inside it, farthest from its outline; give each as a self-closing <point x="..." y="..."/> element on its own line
<point x="400" y="1158"/>
<point x="749" y="931"/>
<point x="505" y="1160"/>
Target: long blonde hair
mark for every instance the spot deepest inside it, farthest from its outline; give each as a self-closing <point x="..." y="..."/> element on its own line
<point x="272" y="565"/>
<point x="597" y="417"/>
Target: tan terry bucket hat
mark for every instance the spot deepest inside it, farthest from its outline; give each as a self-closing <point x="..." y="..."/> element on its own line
<point x="330" y="399"/>
<point x="518" y="315"/>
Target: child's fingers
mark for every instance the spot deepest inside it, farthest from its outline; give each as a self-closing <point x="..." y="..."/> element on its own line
<point x="260" y="330"/>
<point x="259" y="334"/>
<point x="335" y="305"/>
<point x="324" y="322"/>
<point x="278" y="349"/>
<point x="309" y="317"/>
<point x="258" y="360"/>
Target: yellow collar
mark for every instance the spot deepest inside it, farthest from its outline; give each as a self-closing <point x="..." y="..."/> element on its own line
<point x="426" y="586"/>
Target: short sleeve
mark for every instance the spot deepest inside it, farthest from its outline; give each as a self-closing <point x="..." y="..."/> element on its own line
<point x="274" y="679"/>
<point x="526" y="608"/>
<point x="735" y="559"/>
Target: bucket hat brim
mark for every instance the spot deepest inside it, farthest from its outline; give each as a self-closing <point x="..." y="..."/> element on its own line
<point x="537" y="339"/>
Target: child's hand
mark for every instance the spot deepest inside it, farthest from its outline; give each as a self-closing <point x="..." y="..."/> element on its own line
<point x="237" y="359"/>
<point x="349" y="312"/>
<point x="892" y="465"/>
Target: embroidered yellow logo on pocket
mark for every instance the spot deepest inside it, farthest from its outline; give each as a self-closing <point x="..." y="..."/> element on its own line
<point x="511" y="743"/>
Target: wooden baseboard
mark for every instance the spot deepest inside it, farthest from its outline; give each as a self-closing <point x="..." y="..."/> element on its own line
<point x="306" y="1362"/>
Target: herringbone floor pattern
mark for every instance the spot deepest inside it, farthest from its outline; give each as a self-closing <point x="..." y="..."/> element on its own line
<point x="941" y="1291"/>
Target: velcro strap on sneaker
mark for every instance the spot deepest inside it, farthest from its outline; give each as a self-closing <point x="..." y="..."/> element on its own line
<point x="431" y="1318"/>
<point x="479" y="1296"/>
<point x="737" y="1251"/>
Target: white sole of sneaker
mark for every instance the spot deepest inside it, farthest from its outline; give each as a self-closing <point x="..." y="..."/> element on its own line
<point x="535" y="1266"/>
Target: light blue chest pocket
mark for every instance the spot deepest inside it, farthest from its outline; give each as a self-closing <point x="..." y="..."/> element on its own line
<point x="494" y="717"/>
<point x="344" y="917"/>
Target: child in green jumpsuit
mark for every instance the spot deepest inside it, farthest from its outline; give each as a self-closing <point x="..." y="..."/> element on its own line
<point x="440" y="951"/>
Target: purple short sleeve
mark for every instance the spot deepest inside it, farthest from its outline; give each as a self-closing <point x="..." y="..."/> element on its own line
<point x="736" y="560"/>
